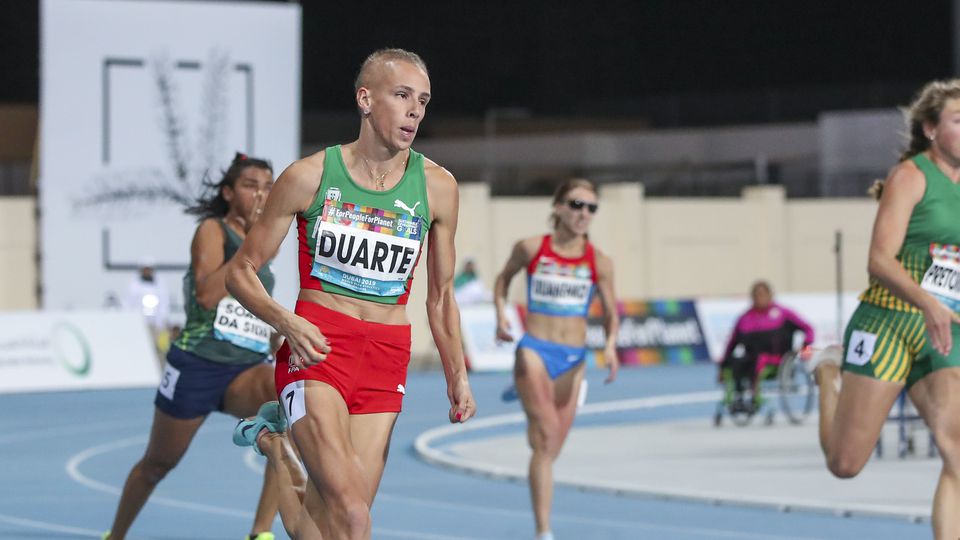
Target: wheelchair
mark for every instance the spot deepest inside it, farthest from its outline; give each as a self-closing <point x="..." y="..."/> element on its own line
<point x="783" y="377"/>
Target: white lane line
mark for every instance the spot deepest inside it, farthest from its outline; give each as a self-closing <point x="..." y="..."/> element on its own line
<point x="610" y="523"/>
<point x="62" y="431"/>
<point x="593" y="408"/>
<point x="73" y="469"/>
<point x="47" y="526"/>
<point x="256" y="466"/>
<point x="436" y="456"/>
<point x="425" y="536"/>
<point x="423" y="442"/>
<point x="75" y="461"/>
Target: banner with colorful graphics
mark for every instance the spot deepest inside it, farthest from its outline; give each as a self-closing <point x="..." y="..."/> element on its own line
<point x="366" y="249"/>
<point x="665" y="331"/>
<point x="76" y="350"/>
<point x="651" y="332"/>
<point x="942" y="279"/>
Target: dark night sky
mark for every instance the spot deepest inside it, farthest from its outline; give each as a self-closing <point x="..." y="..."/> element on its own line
<point x="565" y="58"/>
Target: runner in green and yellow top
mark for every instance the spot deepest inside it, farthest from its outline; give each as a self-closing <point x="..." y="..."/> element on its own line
<point x="218" y="362"/>
<point x="905" y="331"/>
<point x="363" y="211"/>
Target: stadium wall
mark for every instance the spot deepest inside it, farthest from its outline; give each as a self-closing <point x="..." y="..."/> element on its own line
<point x="662" y="248"/>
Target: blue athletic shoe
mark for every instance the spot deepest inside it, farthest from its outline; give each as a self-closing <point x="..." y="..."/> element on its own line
<point x="509" y="394"/>
<point x="269" y="417"/>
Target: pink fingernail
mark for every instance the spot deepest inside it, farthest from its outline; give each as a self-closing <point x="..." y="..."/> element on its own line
<point x="458" y="416"/>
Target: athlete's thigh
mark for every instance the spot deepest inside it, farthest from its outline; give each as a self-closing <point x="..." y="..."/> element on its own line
<point x="250" y="389"/>
<point x="862" y="408"/>
<point x="370" y="435"/>
<point x="534" y="386"/>
<point x="880" y="350"/>
<point x="566" y="391"/>
<point x="170" y="437"/>
<point x="323" y="436"/>
<point x="937" y="398"/>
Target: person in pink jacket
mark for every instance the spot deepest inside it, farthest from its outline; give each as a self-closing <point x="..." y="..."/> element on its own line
<point x="759" y="340"/>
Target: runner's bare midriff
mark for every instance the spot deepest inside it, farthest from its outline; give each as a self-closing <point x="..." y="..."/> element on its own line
<point x="357" y="308"/>
<point x="564" y="330"/>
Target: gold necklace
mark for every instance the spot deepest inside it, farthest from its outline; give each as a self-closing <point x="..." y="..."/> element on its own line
<point x="379" y="181"/>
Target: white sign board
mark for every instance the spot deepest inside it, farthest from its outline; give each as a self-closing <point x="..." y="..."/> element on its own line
<point x="141" y="102"/>
<point x="478" y="325"/>
<point x="77" y="350"/>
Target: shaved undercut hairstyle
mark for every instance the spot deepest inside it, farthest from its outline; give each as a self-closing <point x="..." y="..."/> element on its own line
<point x="382" y="56"/>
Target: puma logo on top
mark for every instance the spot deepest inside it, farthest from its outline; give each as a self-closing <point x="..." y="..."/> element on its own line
<point x="403" y="206"/>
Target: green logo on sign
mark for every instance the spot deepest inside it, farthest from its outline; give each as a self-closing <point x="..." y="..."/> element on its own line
<point x="72" y="349"/>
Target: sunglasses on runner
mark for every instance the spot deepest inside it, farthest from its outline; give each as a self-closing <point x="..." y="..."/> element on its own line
<point x="577" y="204"/>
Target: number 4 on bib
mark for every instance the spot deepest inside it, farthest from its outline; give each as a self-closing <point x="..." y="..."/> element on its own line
<point x="860" y="348"/>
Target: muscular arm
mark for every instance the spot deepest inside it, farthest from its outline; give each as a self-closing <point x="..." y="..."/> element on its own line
<point x="901" y="193"/>
<point x="209" y="270"/>
<point x="442" y="311"/>
<point x="518" y="260"/>
<point x="611" y="321"/>
<point x="292" y="193"/>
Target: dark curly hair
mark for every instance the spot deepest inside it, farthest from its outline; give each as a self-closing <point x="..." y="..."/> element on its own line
<point x="212" y="203"/>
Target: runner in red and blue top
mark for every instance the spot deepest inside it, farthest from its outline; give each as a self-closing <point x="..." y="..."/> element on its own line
<point x="563" y="272"/>
<point x="363" y="211"/>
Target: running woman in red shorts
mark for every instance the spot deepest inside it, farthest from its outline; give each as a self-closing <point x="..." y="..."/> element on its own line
<point x="363" y="211"/>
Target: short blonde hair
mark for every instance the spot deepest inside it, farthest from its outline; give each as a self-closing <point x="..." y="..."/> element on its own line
<point x="926" y="108"/>
<point x="386" y="55"/>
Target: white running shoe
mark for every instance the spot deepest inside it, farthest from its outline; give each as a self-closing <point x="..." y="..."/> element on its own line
<point x="545" y="536"/>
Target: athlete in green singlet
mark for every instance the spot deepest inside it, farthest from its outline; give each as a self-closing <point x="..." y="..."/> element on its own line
<point x="904" y="333"/>
<point x="218" y="363"/>
<point x="363" y="211"/>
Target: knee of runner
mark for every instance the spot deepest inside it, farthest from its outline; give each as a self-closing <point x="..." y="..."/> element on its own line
<point x="843" y="466"/>
<point x="354" y="512"/>
<point x="155" y="469"/>
<point x="948" y="444"/>
<point x="545" y="439"/>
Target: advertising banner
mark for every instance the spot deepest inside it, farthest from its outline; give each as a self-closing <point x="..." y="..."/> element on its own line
<point x="76" y="350"/>
<point x="651" y="332"/>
